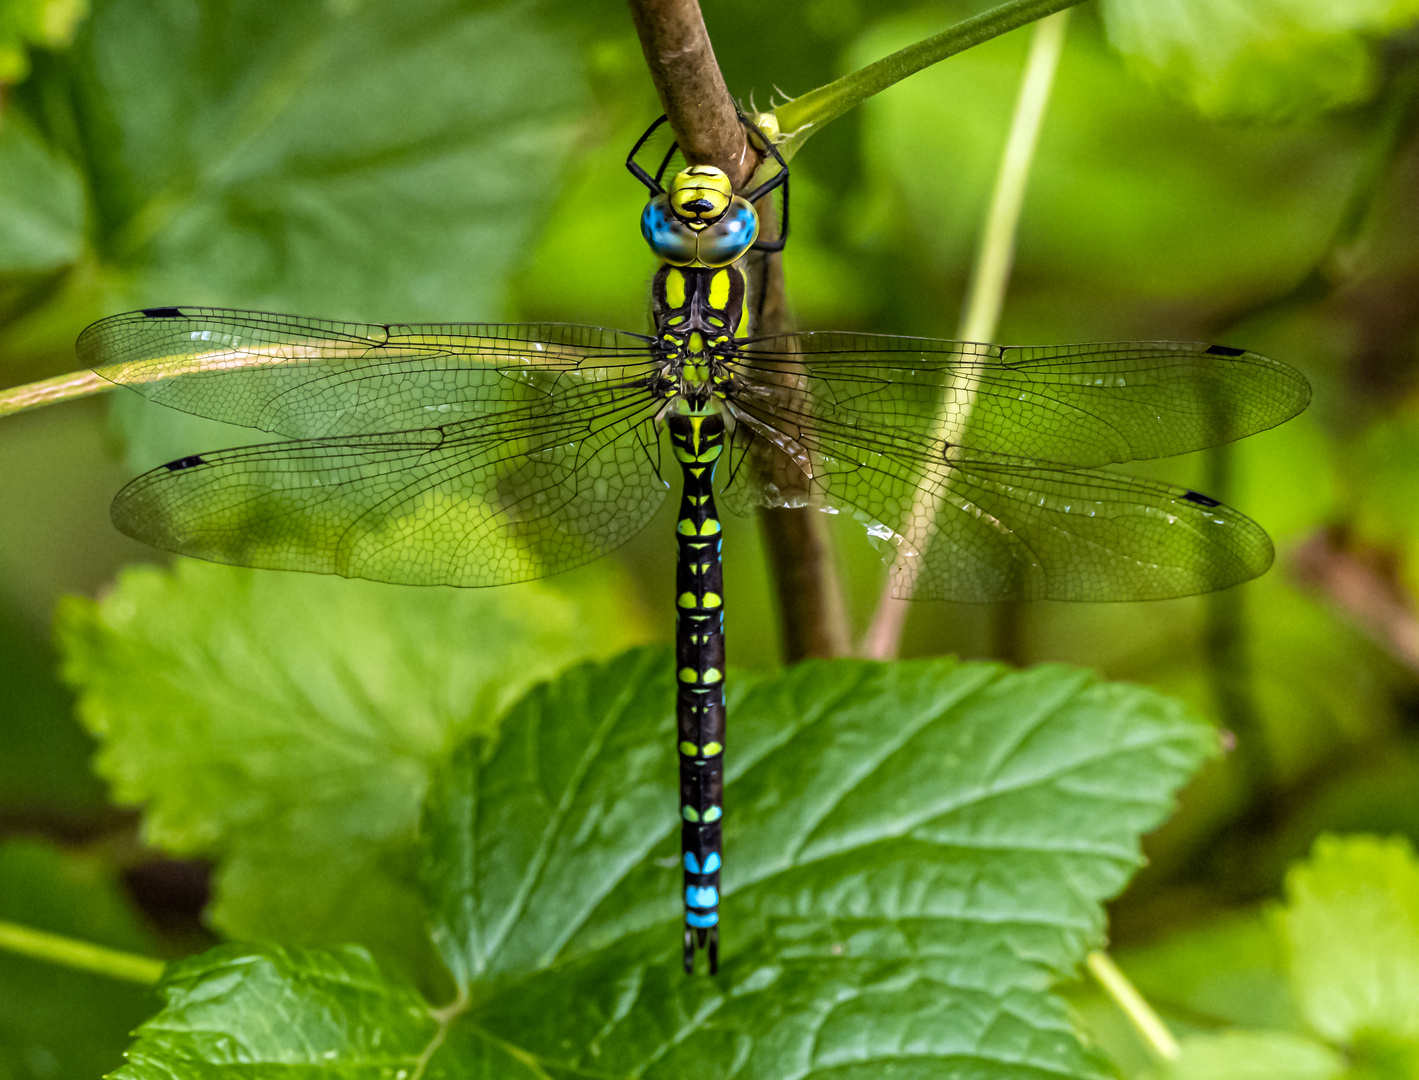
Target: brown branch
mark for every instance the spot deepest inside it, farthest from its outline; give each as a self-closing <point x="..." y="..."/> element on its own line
<point x="1361" y="584"/>
<point x="677" y="50"/>
<point x="692" y="92"/>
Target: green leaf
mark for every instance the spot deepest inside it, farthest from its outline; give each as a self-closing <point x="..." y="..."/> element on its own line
<point x="1351" y="925"/>
<point x="56" y="1022"/>
<point x="1254" y="1055"/>
<point x="41" y="202"/>
<point x="266" y="1012"/>
<point x="914" y="853"/>
<point x="287" y="725"/>
<point x="1230" y="970"/>
<point x="1257" y="59"/>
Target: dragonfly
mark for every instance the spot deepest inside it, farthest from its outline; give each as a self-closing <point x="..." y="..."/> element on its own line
<point x="486" y="454"/>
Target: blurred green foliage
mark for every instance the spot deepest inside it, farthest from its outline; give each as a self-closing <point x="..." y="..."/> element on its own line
<point x="1333" y="975"/>
<point x="55" y="1022"/>
<point x="28" y="23"/>
<point x="439" y="160"/>
<point x="1259" y="59"/>
<point x="292" y="740"/>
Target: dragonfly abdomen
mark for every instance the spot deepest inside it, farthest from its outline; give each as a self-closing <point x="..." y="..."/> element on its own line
<point x="698" y="441"/>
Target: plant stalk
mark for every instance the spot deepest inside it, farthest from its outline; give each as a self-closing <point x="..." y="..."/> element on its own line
<point x="799" y="118"/>
<point x="1131" y="1003"/>
<point x="812" y="616"/>
<point x="70" y="387"/>
<point x="990" y="277"/>
<point x="691" y="87"/>
<point x="81" y="955"/>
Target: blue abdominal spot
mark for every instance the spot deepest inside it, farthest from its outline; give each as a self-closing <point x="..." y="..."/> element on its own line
<point x="701" y="896"/>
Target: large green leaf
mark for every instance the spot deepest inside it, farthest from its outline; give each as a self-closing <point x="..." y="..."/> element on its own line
<point x="368" y="160"/>
<point x="55" y="1022"/>
<point x="914" y="854"/>
<point x="287" y="725"/>
<point x="1257" y="59"/>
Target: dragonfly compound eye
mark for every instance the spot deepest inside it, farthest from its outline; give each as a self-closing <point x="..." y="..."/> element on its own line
<point x="731" y="236"/>
<point x="676" y="242"/>
<point x="670" y="238"/>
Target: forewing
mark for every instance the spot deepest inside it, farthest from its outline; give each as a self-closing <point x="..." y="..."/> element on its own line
<point x="489" y="501"/>
<point x="1079" y="405"/>
<point x="311" y="378"/>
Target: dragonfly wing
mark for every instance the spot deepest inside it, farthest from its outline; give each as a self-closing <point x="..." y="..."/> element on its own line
<point x="311" y="378"/>
<point x="1081" y="405"/>
<point x="483" y="502"/>
<point x="990" y="527"/>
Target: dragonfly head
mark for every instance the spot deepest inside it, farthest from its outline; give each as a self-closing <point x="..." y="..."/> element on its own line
<point x="700" y="195"/>
<point x="699" y="221"/>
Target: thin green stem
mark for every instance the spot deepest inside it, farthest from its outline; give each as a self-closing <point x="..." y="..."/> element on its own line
<point x="57" y="949"/>
<point x="1149" y="1025"/>
<point x="996" y="254"/>
<point x="799" y="118"/>
<point x="990" y="277"/>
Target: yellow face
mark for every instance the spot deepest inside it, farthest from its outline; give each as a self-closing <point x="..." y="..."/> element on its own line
<point x="700" y="195"/>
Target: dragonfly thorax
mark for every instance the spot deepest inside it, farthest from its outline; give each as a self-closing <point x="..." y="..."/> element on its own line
<point x="697" y="313"/>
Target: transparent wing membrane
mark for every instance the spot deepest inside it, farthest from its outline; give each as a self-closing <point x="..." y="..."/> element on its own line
<point x="483" y="502"/>
<point x="989" y="527"/>
<point x="1085" y="405"/>
<point x="308" y="378"/>
<point x="969" y="463"/>
<point x="481" y="454"/>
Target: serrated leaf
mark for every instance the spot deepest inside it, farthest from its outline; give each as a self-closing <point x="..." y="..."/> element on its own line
<point x="914" y="853"/>
<point x="1254" y="1055"/>
<point x="54" y="1021"/>
<point x="1351" y="926"/>
<point x="287" y="725"/>
<point x="1257" y="59"/>
<point x="269" y="1011"/>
